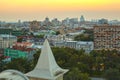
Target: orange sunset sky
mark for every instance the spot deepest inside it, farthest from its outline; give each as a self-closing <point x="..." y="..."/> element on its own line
<point x="13" y="10"/>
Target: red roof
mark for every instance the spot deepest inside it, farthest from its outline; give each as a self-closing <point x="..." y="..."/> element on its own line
<point x="24" y="36"/>
<point x="23" y="48"/>
<point x="25" y="44"/>
<point x="4" y="56"/>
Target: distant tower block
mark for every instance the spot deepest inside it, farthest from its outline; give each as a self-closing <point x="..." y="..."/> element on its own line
<point x="34" y="26"/>
<point x="82" y="18"/>
<point x="46" y="68"/>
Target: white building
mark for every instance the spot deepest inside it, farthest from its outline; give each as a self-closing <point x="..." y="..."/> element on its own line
<point x="87" y="26"/>
<point x="59" y="43"/>
<point x="12" y="75"/>
<point x="71" y="44"/>
<point x="87" y="46"/>
<point x="46" y="68"/>
<point x="77" y="33"/>
<point x="7" y="40"/>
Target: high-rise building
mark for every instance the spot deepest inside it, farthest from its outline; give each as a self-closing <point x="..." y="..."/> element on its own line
<point x="82" y="19"/>
<point x="74" y="22"/>
<point x="34" y="26"/>
<point x="107" y="37"/>
<point x="7" y="40"/>
<point x="66" y="22"/>
<point x="103" y="21"/>
<point x="4" y="30"/>
<point x="55" y="22"/>
<point x="47" y="20"/>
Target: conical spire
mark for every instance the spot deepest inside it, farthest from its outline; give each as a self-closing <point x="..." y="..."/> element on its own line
<point x="46" y="67"/>
<point x="46" y="60"/>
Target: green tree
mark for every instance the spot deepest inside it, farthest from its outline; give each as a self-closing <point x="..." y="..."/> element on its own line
<point x="84" y="37"/>
<point x="76" y="74"/>
<point x="36" y="56"/>
<point x="1" y="62"/>
<point x="89" y="31"/>
<point x="112" y="74"/>
<point x="20" y="64"/>
<point x="57" y="32"/>
<point x="39" y="36"/>
<point x="19" y="39"/>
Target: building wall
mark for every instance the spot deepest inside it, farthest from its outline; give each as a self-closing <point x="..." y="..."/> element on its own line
<point x="14" y="53"/>
<point x="87" y="46"/>
<point x="1" y="51"/>
<point x="107" y="37"/>
<point x="34" y="25"/>
<point x="10" y="31"/>
<point x="36" y="78"/>
<point x="5" y="31"/>
<point x="59" y="78"/>
<point x="71" y="44"/>
<point x="7" y="41"/>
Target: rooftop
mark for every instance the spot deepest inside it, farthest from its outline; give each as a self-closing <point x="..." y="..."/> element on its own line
<point x="12" y="75"/>
<point x="46" y="67"/>
<point x="6" y="35"/>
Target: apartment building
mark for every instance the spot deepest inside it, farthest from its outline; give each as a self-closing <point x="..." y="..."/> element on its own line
<point x="7" y="40"/>
<point x="107" y="37"/>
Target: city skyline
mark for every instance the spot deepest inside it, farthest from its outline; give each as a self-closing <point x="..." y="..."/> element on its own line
<point x="13" y="10"/>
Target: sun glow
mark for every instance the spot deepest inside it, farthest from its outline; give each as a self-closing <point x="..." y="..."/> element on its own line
<point x="59" y="4"/>
<point x="23" y="7"/>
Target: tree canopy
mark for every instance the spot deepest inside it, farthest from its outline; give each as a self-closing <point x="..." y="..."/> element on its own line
<point x="80" y="64"/>
<point x="86" y="36"/>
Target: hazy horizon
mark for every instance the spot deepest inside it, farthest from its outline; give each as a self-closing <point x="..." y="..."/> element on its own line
<point x="26" y="10"/>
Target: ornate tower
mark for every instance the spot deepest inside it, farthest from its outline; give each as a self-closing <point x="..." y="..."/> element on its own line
<point x="46" y="68"/>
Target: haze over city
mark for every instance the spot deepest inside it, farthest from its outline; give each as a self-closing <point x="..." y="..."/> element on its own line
<point x="13" y="10"/>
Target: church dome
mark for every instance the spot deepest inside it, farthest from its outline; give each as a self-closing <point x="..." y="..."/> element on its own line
<point x="12" y="75"/>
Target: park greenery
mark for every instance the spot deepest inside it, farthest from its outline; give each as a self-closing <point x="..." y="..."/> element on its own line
<point x="39" y="36"/>
<point x="86" y="36"/>
<point x="82" y="66"/>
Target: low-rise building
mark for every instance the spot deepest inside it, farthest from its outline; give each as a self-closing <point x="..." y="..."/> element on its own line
<point x="59" y="43"/>
<point x="23" y="44"/>
<point x="71" y="44"/>
<point x="5" y="58"/>
<point x="15" y="53"/>
<point x="87" y="46"/>
<point x="20" y="50"/>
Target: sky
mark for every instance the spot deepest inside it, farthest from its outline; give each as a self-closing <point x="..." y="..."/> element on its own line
<point x="13" y="10"/>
